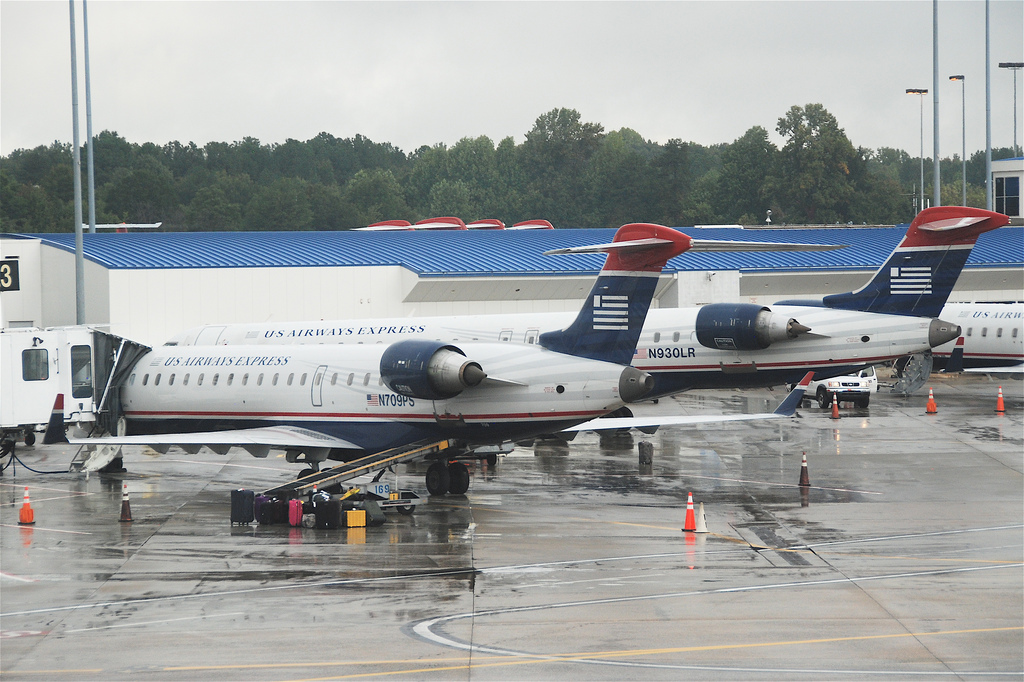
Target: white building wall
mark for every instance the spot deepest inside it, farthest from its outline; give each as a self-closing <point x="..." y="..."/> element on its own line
<point x="48" y="296"/>
<point x="22" y="308"/>
<point x="150" y="306"/>
<point x="713" y="286"/>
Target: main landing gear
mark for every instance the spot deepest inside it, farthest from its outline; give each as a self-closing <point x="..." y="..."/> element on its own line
<point x="447" y="477"/>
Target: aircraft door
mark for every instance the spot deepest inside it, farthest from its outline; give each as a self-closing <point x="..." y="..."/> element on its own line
<point x="317" y="387"/>
<point x="209" y="336"/>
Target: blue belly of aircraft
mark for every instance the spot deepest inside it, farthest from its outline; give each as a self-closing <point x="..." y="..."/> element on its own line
<point x="369" y="436"/>
<point x="667" y="383"/>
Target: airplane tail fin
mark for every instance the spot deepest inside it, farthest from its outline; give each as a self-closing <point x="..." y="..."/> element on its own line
<point x="609" y="324"/>
<point x="922" y="270"/>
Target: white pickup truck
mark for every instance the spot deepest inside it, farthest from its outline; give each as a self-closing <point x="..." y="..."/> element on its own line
<point x="856" y="388"/>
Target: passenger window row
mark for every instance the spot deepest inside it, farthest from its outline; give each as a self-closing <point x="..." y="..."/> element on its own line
<point x="244" y="380"/>
<point x="999" y="332"/>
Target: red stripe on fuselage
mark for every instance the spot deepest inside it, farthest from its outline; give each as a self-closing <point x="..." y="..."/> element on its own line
<point x="766" y="365"/>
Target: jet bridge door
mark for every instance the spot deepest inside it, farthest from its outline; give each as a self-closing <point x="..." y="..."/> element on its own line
<point x="30" y="376"/>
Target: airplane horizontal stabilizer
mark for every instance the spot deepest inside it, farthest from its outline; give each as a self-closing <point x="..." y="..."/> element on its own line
<point x="786" y="409"/>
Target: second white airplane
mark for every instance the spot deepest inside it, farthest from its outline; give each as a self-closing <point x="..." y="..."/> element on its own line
<point x="720" y="345"/>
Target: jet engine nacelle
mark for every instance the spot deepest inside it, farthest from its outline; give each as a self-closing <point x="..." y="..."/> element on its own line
<point x="430" y="370"/>
<point x="743" y="326"/>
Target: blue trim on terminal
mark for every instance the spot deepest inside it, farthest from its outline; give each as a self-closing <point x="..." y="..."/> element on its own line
<point x="498" y="252"/>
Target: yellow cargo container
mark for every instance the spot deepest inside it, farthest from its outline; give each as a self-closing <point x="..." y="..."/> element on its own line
<point x="355" y="518"/>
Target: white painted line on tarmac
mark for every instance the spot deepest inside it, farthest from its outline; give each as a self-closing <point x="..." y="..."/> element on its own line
<point x="776" y="484"/>
<point x="45" y="530"/>
<point x="884" y="538"/>
<point x="11" y="576"/>
<point x="425" y="629"/>
<point x="151" y="622"/>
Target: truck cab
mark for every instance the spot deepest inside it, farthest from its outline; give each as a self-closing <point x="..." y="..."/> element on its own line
<point x="856" y="388"/>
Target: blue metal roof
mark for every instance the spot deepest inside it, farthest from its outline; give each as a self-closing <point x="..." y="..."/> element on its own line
<point x="462" y="253"/>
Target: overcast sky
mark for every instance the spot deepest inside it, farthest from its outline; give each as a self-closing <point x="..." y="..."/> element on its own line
<point x="423" y="73"/>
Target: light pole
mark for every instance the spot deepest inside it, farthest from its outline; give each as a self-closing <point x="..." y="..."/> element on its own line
<point x="963" y="119"/>
<point x="922" y="92"/>
<point x="1015" y="67"/>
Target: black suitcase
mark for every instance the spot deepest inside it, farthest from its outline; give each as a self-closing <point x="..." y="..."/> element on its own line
<point x="273" y="511"/>
<point x="242" y="506"/>
<point x="328" y="514"/>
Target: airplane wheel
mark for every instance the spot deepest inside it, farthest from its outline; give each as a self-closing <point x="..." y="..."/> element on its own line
<point x="458" y="474"/>
<point x="306" y="472"/>
<point x="438" y="478"/>
<point x="824" y="401"/>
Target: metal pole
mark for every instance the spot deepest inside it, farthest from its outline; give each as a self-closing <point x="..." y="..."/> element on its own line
<point x="963" y="122"/>
<point x="88" y="123"/>
<point x="920" y="92"/>
<point x="963" y="137"/>
<point x="988" y="111"/>
<point x="936" y="179"/>
<point x="77" y="173"/>
<point x="1015" y="152"/>
<point x="922" y="153"/>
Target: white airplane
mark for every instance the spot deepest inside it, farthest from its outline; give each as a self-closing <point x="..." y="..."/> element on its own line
<point x="415" y="398"/>
<point x="992" y="338"/>
<point x="721" y="344"/>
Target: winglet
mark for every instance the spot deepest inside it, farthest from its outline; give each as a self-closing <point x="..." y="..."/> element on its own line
<point x="792" y="401"/>
<point x="55" y="427"/>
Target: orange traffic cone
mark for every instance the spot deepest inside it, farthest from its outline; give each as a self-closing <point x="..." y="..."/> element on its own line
<point x="702" y="523"/>
<point x="835" y="407"/>
<point x="1000" y="408"/>
<point x="26" y="516"/>
<point x="930" y="407"/>
<point x="126" y="507"/>
<point x="691" y="522"/>
<point x="805" y="480"/>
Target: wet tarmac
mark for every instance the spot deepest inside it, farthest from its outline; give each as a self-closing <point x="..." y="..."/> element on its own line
<point x="903" y="560"/>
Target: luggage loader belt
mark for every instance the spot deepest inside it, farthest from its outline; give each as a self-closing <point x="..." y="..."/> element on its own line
<point x="360" y="466"/>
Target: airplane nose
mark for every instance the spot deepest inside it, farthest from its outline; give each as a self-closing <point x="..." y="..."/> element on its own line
<point x="634" y="384"/>
<point x="940" y="332"/>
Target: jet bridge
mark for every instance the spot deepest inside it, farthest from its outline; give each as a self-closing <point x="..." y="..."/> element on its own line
<point x="84" y="364"/>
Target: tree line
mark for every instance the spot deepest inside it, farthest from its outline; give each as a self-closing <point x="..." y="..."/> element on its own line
<point x="568" y="171"/>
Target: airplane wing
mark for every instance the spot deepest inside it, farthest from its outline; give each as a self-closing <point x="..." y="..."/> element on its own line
<point x="786" y="409"/>
<point x="257" y="441"/>
<point x="1012" y="369"/>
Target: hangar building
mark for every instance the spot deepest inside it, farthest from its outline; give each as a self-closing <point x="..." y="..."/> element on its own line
<point x="149" y="286"/>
